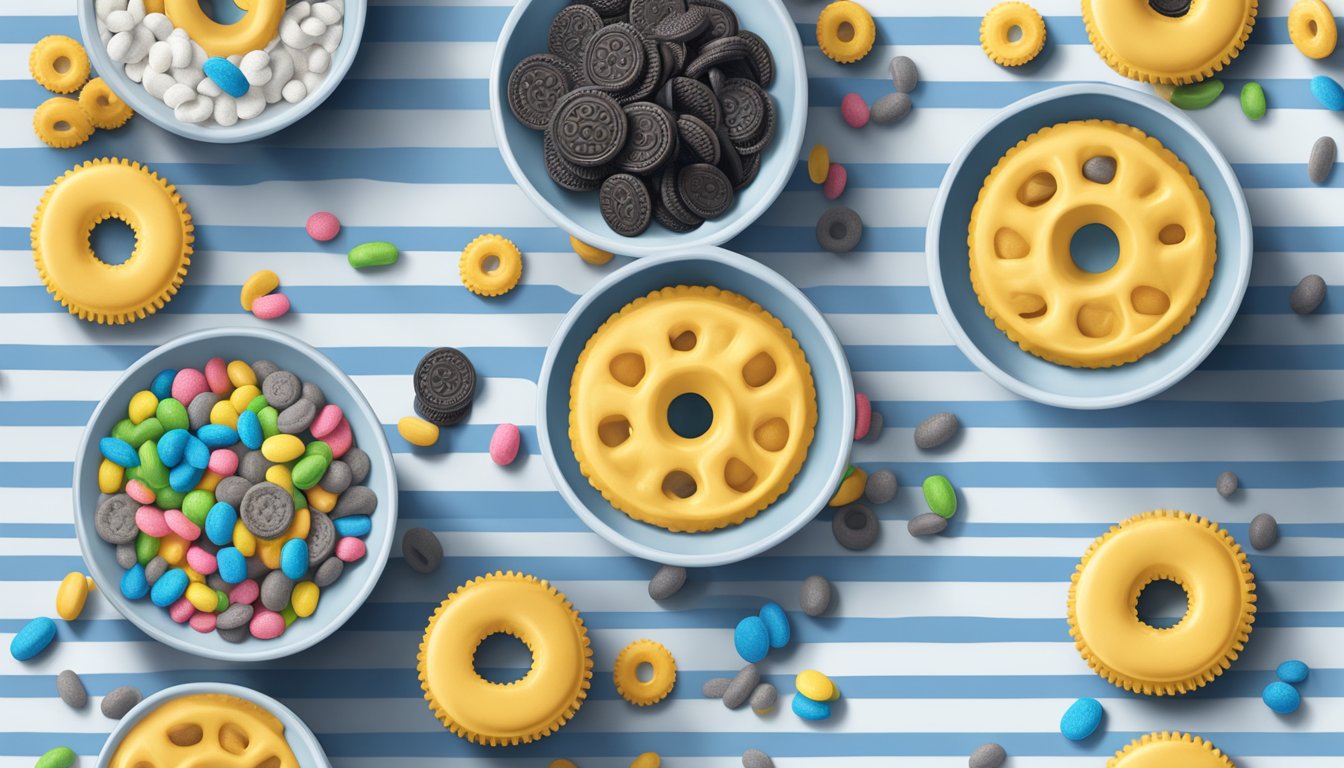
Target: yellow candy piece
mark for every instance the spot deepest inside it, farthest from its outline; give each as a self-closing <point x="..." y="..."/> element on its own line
<point x="201" y="597"/>
<point x="280" y="475"/>
<point x="209" y="481"/>
<point x="816" y="686"/>
<point x="818" y="164"/>
<point x="477" y="258"/>
<point x="59" y="64"/>
<point x="61" y="124"/>
<point x="850" y="490"/>
<point x="192" y="575"/>
<point x="70" y="596"/>
<point x="647" y="760"/>
<point x="594" y="256"/>
<point x="224" y="413"/>
<point x="142" y="406"/>
<point x="1311" y="27"/>
<point x="172" y="548"/>
<point x="110" y="476"/>
<point x="997" y="29"/>
<point x="304" y="598"/>
<point x="243" y="539"/>
<point x="417" y="431"/>
<point x="845" y="31"/>
<point x="241" y="374"/>
<point x="259" y="284"/>
<point x="243" y="395"/>
<point x="282" y="448"/>
<point x="105" y="109"/>
<point x="321" y="499"/>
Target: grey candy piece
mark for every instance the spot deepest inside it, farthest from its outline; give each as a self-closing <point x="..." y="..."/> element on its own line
<point x="232" y="489"/>
<point x="927" y="524"/>
<point x="328" y="572"/>
<point x="252" y="468"/>
<point x="1308" y="295"/>
<point x="215" y="581"/>
<point x="357" y="500"/>
<point x="154" y="569"/>
<point x="337" y="477"/>
<point x="71" y="689"/>
<point x="296" y="419"/>
<point x="198" y="410"/>
<point x="936" y="430"/>
<point x="119" y="701"/>
<point x="739" y="690"/>
<point x="880" y="487"/>
<point x="264" y="368"/>
<point x="235" y="635"/>
<point x="126" y="555"/>
<point x="904" y="74"/>
<point x="206" y="544"/>
<point x="236" y="615"/>
<point x="275" y="590"/>
<point x="839" y="229"/>
<point x="715" y="687"/>
<point x="1227" y="484"/>
<point x="1099" y="169"/>
<point x="764" y="698"/>
<point x="114" y="520"/>
<point x="281" y="389"/>
<point x="989" y="755"/>
<point x="359" y="464"/>
<point x="1322" y="160"/>
<point x="890" y="109"/>
<point x="422" y="549"/>
<point x="667" y="582"/>
<point x="855" y="527"/>
<point x="256" y="569"/>
<point x="755" y="758"/>
<point x="874" y="428"/>
<point x="1264" y="531"/>
<point x="313" y="394"/>
<point x="815" y="596"/>
<point x="321" y="538"/>
<point x="267" y="510"/>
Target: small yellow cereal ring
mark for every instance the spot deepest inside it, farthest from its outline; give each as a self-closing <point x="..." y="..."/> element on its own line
<point x="647" y="760"/>
<point x="588" y="253"/>
<point x="59" y="64"/>
<point x="478" y="277"/>
<point x="818" y="164"/>
<point x="845" y="31"/>
<point x="417" y="431"/>
<point x="1001" y="20"/>
<point x="105" y="109"/>
<point x="1312" y="29"/>
<point x="61" y="124"/>
<point x="625" y="672"/>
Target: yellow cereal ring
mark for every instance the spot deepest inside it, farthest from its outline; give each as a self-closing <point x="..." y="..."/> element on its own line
<point x="59" y="64"/>
<point x="417" y="431"/>
<point x="105" y="109"/>
<point x="588" y="253"/>
<point x="259" y="284"/>
<point x="243" y="396"/>
<point x="1311" y="26"/>
<point x="625" y="673"/>
<point x="70" y="597"/>
<point x="110" y="476"/>
<point x="61" y="124"/>
<point x="818" y="164"/>
<point x="241" y="374"/>
<point x="476" y="275"/>
<point x="845" y="31"/>
<point x="1001" y="20"/>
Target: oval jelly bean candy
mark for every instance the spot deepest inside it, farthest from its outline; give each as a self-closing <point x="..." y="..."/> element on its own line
<point x="187" y="384"/>
<point x="326" y="421"/>
<point x="836" y="180"/>
<point x="151" y="521"/>
<point x="376" y="254"/>
<point x="140" y="492"/>
<point x="172" y="446"/>
<point x="32" y="639"/>
<point x="249" y="430"/>
<point x="241" y="373"/>
<point x="147" y="547"/>
<point x="219" y="522"/>
<point x="151" y="470"/>
<point x="271" y="306"/>
<point x="282" y="449"/>
<point x="417" y="431"/>
<point x="940" y="496"/>
<point x="1201" y="95"/>
<point x="134" y="585"/>
<point x="71" y="595"/>
<point x="223" y="462"/>
<point x="217" y="436"/>
<point x="119" y="452"/>
<point x="304" y="598"/>
<point x="172" y="414"/>
<point x="816" y="686"/>
<point x="182" y="610"/>
<point x="777" y="626"/>
<point x="863" y="415"/>
<point x="750" y="638"/>
<point x="162" y="386"/>
<point x="349" y="549"/>
<point x="309" y="471"/>
<point x="196" y="505"/>
<point x="201" y="561"/>
<point x="854" y="110"/>
<point x="202" y="598"/>
<point x="811" y="710"/>
<point x="1253" y="100"/>
<point x="1081" y="719"/>
<point x="504" y="444"/>
<point x="266" y="624"/>
<point x="1281" y="697"/>
<point x="60" y="757"/>
<point x="204" y="622"/>
<point x="196" y="453"/>
<point x="259" y="284"/>
<point x="226" y="75"/>
<point x="340" y="440"/>
<point x="246" y="593"/>
<point x="143" y="405"/>
<point x="294" y="558"/>
<point x="1293" y="672"/>
<point x="217" y="376"/>
<point x="323" y="226"/>
<point x="110" y="476"/>
<point x="170" y="587"/>
<point x="1327" y="92"/>
<point x="231" y="564"/>
<point x="355" y="525"/>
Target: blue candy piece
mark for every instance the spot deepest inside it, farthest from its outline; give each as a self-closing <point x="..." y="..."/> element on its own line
<point x="809" y="709"/>
<point x="249" y="430"/>
<point x="777" y="626"/>
<point x="162" y="386"/>
<point x="355" y="525"/>
<point x="1293" y="672"/>
<point x="232" y="565"/>
<point x="170" y="587"/>
<point x="1281" y="697"/>
<point x="217" y="436"/>
<point x="34" y="638"/>
<point x="119" y="452"/>
<point x="751" y="638"/>
<point x="227" y="76"/>
<point x="134" y="585"/>
<point x="1081" y="719"/>
<point x="219" y="523"/>
<point x="196" y="454"/>
<point x="1327" y="92"/>
<point x="184" y="477"/>
<point x="172" y="446"/>
<point x="294" y="558"/>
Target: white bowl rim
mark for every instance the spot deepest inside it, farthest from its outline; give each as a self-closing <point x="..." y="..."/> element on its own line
<point x="261" y="650"/>
<point x="833" y="347"/>
<point x="933" y="257"/>
<point x="630" y="246"/>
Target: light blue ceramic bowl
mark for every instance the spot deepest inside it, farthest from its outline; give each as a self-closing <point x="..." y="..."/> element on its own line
<point x="340" y="600"/>
<point x="576" y="212"/>
<point x="826" y="458"/>
<point x="276" y="118"/>
<point x="988" y="347"/>
<point x="301" y="739"/>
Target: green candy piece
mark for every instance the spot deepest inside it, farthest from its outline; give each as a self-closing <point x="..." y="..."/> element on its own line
<point x="131" y="473"/>
<point x="167" y="498"/>
<point x="319" y="448"/>
<point x="123" y="429"/>
<point x="152" y="470"/>
<point x="172" y="415"/>
<point x="289" y="614"/>
<point x="940" y="496"/>
<point x="221" y="601"/>
<point x="257" y="404"/>
<point x="267" y="416"/>
<point x="146" y="547"/>
<point x="60" y="757"/>
<point x="196" y="505"/>
<point x="1197" y="95"/>
<point x="1253" y="100"/>
<point x="848" y="471"/>
<point x="149" y="429"/>
<point x="309" y="470"/>
<point x="300" y="501"/>
<point x="376" y="254"/>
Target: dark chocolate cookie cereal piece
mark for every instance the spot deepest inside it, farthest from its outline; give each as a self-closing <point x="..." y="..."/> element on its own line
<point x="762" y="61"/>
<point x="705" y="189"/>
<point x="588" y="127"/>
<point x="696" y="98"/>
<point x="615" y="58"/>
<point x="751" y="166"/>
<point x="535" y="87"/>
<point x="730" y="160"/>
<point x="715" y="53"/>
<point x="1172" y="8"/>
<point x="565" y="173"/>
<point x="571" y="29"/>
<point x="765" y="135"/>
<point x="698" y="140"/>
<point x="722" y="20"/>
<point x="445" y="380"/>
<point x="682" y="27"/>
<point x="645" y="14"/>
<point x="670" y="197"/>
<point x="608" y="8"/>
<point x="743" y="105"/>
<point x="651" y="139"/>
<point x="625" y="204"/>
<point x="670" y="222"/>
<point x="651" y="79"/>
<point x="677" y="51"/>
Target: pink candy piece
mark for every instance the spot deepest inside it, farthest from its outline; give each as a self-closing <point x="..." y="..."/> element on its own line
<point x="323" y="226"/>
<point x="504" y="444"/>
<point x="328" y="419"/>
<point x="181" y="611"/>
<point x="350" y="549"/>
<point x="179" y="523"/>
<point x="267" y="625"/>
<point x="151" y="520"/>
<point x="223" y="462"/>
<point x="246" y="593"/>
<point x="270" y="306"/>
<point x="141" y="492"/>
<point x="836" y="178"/>
<point x="203" y="623"/>
<point x="201" y="561"/>
<point x="340" y="439"/>
<point x="188" y="383"/>
<point x="854" y="109"/>
<point x="217" y="376"/>
<point x="863" y="415"/>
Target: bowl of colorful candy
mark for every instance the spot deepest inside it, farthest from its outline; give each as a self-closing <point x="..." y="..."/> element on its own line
<point x="657" y="127"/>
<point x="235" y="495"/>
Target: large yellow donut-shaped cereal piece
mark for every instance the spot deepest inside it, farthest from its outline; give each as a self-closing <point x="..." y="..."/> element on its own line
<point x="1162" y="545"/>
<point x="703" y="341"/>
<point x="500" y="280"/>
<point x="845" y="31"/>
<point x="211" y="729"/>
<point x="105" y="109"/>
<point x="1142" y="44"/>
<point x="61" y="124"/>
<point x="1034" y="201"/>
<point x="74" y="275"/>
<point x="996" y="38"/>
<point x="1311" y="27"/>
<point x="254" y="31"/>
<point x="497" y="714"/>
<point x="1169" y="750"/>
<point x="625" y="673"/>
<point x="59" y="64"/>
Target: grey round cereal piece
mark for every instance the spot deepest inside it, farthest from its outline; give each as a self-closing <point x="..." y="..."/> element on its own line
<point x="682" y="27"/>
<point x="328" y="572"/>
<point x="215" y="581"/>
<point x="891" y="108"/>
<point x="989" y="755"/>
<point x="716" y="53"/>
<point x="119" y="701"/>
<point x="275" y="590"/>
<point x="855" y="527"/>
<point x="651" y="138"/>
<point x="264" y="368"/>
<point x="313" y="394"/>
<point x="535" y="86"/>
<point x="739" y="690"/>
<point x="321" y="538"/>
<point x="1308" y="296"/>
<point x="698" y="141"/>
<point x="1322" y="160"/>
<point x="422" y="549"/>
<point x="615" y="58"/>
<point x="649" y="81"/>
<point x="880" y="487"/>
<point x="874" y="429"/>
<point x="927" y="524"/>
<point x="281" y="389"/>
<point x="588" y="127"/>
<point x="705" y="190"/>
<point x="337" y="478"/>
<point x="715" y="687"/>
<point x="764" y="698"/>
<point x="267" y="510"/>
<point x="670" y="197"/>
<point x="667" y="581"/>
<point x="760" y="58"/>
<point x="102" y="497"/>
<point x="114" y="520"/>
<point x="126" y="557"/>
<point x="694" y="97"/>
<point x="1227" y="484"/>
<point x="359" y="464"/>
<point x="1099" y="169"/>
<point x="154" y="569"/>
<point x="357" y="500"/>
<point x="743" y="104"/>
<point x="839" y="229"/>
<point x="625" y="204"/>
<point x="936" y="430"/>
<point x="904" y="74"/>
<point x="71" y="689"/>
<point x="1264" y="531"/>
<point x="235" y="635"/>
<point x="236" y="615"/>
<point x="256" y="569"/>
<point x="571" y="29"/>
<point x="232" y="489"/>
<point x="755" y="758"/>
<point x="296" y="419"/>
<point x="815" y="595"/>
<point x="565" y="174"/>
<point x="206" y="544"/>
<point x="646" y="15"/>
<point x="198" y="410"/>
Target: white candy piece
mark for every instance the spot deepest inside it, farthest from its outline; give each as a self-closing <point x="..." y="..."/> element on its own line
<point x="299" y="59"/>
<point x="226" y="111"/>
<point x="102" y="8"/>
<point x="137" y="9"/>
<point x="294" y="91"/>
<point x="293" y="36"/>
<point x="119" y="47"/>
<point x="136" y="71"/>
<point x="331" y="39"/>
<point x="282" y="71"/>
<point x="158" y="24"/>
<point x="313" y="27"/>
<point x="251" y="104"/>
<point x="339" y="5"/>
<point x="208" y="87"/>
<point x="327" y="13"/>
<point x="236" y="59"/>
<point x="104" y="34"/>
<point x="178" y="95"/>
<point x="198" y="56"/>
<point x="120" y="21"/>
<point x="319" y="60"/>
<point x="160" y="57"/>
<point x="298" y="11"/>
<point x="182" y="53"/>
<point x="198" y="110"/>
<point x="311" y="81"/>
<point x="256" y="67"/>
<point x="158" y="84"/>
<point x="188" y="76"/>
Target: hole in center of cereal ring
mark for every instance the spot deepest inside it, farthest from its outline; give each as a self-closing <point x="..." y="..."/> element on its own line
<point x="1014" y="33"/>
<point x="112" y="241"/>
<point x="502" y="658"/>
<point x="845" y="32"/>
<point x="644" y="672"/>
<point x="1094" y="248"/>
<point x="690" y="415"/>
<point x="1162" y="604"/>
<point x="61" y="65"/>
<point x="489" y="264"/>
<point x="61" y="126"/>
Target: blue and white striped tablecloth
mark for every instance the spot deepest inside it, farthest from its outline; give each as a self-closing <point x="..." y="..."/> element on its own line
<point x="938" y="645"/>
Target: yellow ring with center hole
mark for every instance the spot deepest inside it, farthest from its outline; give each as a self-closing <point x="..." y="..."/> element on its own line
<point x="996" y="28"/>
<point x="1164" y="544"/>
<point x="254" y="31"/>
<point x="212" y="729"/>
<point x="625" y="673"/>
<point x="498" y="281"/>
<point x="838" y="18"/>
<point x="1142" y="44"/>
<point x="61" y="124"/>
<point x="1311" y="27"/>
<point x="44" y="60"/>
<point x="1169" y="750"/>
<point x="105" y="109"/>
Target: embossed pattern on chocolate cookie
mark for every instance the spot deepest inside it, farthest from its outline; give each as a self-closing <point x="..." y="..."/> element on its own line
<point x="535" y="87"/>
<point x="682" y="27"/>
<point x="614" y="59"/>
<point x="571" y="29"/>
<point x="588" y="127"/>
<point x="651" y="140"/>
<point x="743" y="105"/>
<point x="445" y="379"/>
<point x="625" y="204"/>
<point x="646" y="14"/>
<point x="705" y="189"/>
